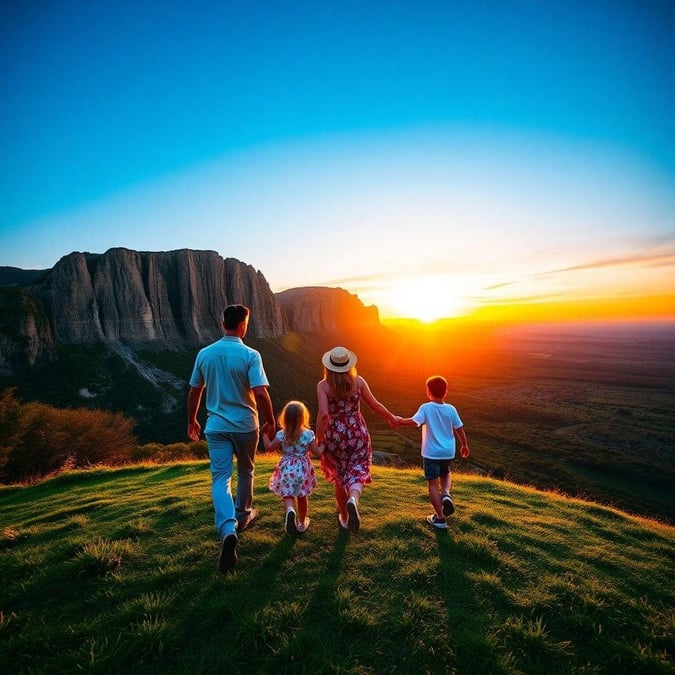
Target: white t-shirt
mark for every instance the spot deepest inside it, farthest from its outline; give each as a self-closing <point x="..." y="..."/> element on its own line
<point x="438" y="422"/>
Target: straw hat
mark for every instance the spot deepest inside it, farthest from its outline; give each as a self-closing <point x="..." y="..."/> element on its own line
<point x="339" y="360"/>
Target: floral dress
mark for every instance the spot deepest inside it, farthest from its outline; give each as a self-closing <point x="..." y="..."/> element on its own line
<point x="348" y="452"/>
<point x="294" y="474"/>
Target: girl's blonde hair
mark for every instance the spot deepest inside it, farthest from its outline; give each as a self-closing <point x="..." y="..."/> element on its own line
<point x="293" y="419"/>
<point x="341" y="385"/>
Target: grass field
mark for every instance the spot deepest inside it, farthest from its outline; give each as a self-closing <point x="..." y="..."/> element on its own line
<point x="114" y="571"/>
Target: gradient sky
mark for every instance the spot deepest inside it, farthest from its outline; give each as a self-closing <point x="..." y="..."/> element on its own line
<point x="473" y="153"/>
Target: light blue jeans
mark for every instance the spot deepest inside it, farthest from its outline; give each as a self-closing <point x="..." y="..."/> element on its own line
<point x="224" y="446"/>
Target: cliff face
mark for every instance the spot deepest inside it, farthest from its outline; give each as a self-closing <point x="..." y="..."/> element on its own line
<point x="161" y="299"/>
<point x="25" y="336"/>
<point x="169" y="298"/>
<point x="165" y="300"/>
<point x="315" y="309"/>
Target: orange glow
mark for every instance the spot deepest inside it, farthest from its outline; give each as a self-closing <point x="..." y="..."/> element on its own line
<point x="635" y="309"/>
<point x="648" y="307"/>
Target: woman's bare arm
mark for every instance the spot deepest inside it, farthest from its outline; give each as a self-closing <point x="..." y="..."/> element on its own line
<point x="372" y="402"/>
<point x="322" y="416"/>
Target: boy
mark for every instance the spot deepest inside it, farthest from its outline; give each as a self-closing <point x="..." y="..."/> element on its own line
<point x="439" y="421"/>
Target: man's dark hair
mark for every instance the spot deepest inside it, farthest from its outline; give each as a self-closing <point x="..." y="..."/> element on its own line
<point x="234" y="315"/>
<point x="437" y="386"/>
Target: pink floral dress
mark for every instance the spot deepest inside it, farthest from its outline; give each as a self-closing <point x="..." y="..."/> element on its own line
<point x="294" y="475"/>
<point x="348" y="452"/>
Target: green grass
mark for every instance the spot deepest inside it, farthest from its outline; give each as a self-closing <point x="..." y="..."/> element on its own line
<point x="114" y="571"/>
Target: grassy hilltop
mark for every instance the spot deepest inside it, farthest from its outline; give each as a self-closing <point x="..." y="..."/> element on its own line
<point x="114" y="571"/>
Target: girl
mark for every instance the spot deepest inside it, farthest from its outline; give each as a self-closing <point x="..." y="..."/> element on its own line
<point x="293" y="478"/>
<point x="342" y="429"/>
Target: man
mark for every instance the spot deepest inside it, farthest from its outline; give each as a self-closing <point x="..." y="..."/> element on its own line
<point x="236" y="389"/>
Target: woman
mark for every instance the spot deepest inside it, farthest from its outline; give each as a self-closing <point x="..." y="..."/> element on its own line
<point x="342" y="430"/>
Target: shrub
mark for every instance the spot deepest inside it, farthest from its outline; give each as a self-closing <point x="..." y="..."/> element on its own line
<point x="146" y="453"/>
<point x="12" y="424"/>
<point x="156" y="452"/>
<point x="37" y="439"/>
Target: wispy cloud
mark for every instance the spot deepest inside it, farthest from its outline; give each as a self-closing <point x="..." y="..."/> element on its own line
<point x="643" y="259"/>
<point x="494" y="287"/>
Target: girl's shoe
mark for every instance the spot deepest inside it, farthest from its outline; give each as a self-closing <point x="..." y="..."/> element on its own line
<point x="438" y="523"/>
<point x="344" y="524"/>
<point x="353" y="519"/>
<point x="302" y="526"/>
<point x="290" y="525"/>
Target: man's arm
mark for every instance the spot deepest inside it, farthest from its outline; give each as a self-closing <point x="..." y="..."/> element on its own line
<point x="194" y="429"/>
<point x="264" y="403"/>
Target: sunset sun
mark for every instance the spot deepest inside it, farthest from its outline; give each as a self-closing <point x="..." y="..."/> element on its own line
<point x="426" y="299"/>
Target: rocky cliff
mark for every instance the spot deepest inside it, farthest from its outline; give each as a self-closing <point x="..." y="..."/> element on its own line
<point x="164" y="300"/>
<point x="161" y="298"/>
<point x="313" y="309"/>
<point x="150" y="299"/>
<point x="25" y="335"/>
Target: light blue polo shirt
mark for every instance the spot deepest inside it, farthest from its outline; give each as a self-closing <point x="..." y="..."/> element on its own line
<point x="229" y="370"/>
<point x="438" y="422"/>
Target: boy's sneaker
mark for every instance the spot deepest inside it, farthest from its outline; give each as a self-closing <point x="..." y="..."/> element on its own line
<point x="303" y="525"/>
<point x="227" y="559"/>
<point x="448" y="505"/>
<point x="290" y="525"/>
<point x="439" y="523"/>
<point x="353" y="518"/>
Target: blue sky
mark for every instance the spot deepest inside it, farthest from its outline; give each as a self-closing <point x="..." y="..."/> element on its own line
<point x="483" y="152"/>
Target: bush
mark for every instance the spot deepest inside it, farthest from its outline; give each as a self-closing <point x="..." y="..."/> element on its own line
<point x="37" y="439"/>
<point x="156" y="452"/>
<point x="12" y="425"/>
<point x="146" y="453"/>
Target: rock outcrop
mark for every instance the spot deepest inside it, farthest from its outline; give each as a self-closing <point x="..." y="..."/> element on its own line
<point x="25" y="335"/>
<point x="15" y="276"/>
<point x="313" y="309"/>
<point x="167" y="299"/>
<point x="164" y="300"/>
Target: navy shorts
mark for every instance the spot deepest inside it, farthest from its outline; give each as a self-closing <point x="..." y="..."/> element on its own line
<point x="434" y="468"/>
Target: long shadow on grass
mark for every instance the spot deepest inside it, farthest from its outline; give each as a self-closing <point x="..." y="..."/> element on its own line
<point x="464" y="614"/>
<point x="245" y="591"/>
<point x="243" y="605"/>
<point x="310" y="645"/>
<point x="318" y="608"/>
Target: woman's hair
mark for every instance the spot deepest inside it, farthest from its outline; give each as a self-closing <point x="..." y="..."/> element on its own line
<point x="293" y="419"/>
<point x="341" y="385"/>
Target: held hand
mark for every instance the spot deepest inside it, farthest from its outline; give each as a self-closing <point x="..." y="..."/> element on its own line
<point x="269" y="429"/>
<point x="194" y="431"/>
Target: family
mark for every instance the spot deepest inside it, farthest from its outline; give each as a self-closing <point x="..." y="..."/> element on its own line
<point x="230" y="376"/>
